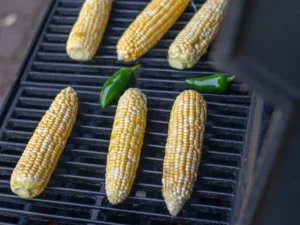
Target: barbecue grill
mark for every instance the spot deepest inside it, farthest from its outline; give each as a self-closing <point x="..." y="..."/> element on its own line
<point x="76" y="192"/>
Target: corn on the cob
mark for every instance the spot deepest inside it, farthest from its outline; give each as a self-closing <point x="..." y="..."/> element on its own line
<point x="149" y="27"/>
<point x="125" y="145"/>
<point x="88" y="30"/>
<point x="193" y="41"/>
<point x="183" y="149"/>
<point x="38" y="161"/>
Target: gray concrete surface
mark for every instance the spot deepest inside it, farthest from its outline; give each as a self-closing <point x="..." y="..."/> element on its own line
<point x="19" y="20"/>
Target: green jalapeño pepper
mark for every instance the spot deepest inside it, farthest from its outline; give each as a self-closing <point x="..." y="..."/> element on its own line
<point x="115" y="85"/>
<point x="216" y="83"/>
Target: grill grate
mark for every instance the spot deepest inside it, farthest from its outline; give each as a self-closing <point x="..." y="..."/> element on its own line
<point x="76" y="193"/>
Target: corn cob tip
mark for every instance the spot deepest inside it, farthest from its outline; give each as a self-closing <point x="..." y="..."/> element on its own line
<point x="121" y="55"/>
<point x="69" y="89"/>
<point x="25" y="191"/>
<point x="22" y="192"/>
<point x="78" y="52"/>
<point x="181" y="61"/>
<point x="177" y="64"/>
<point x="114" y="196"/>
<point x="174" y="205"/>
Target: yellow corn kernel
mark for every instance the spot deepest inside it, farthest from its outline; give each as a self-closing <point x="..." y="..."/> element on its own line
<point x="125" y="145"/>
<point x="149" y="27"/>
<point x="193" y="41"/>
<point x="38" y="161"/>
<point x="183" y="149"/>
<point x="88" y="30"/>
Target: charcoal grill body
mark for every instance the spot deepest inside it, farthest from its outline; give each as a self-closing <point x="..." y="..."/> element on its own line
<point x="263" y="49"/>
<point x="76" y="192"/>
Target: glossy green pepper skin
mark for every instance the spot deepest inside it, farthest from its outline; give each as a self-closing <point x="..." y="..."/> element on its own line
<point x="115" y="85"/>
<point x="216" y="83"/>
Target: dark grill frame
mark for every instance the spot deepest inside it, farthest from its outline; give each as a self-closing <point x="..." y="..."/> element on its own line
<point x="76" y="193"/>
